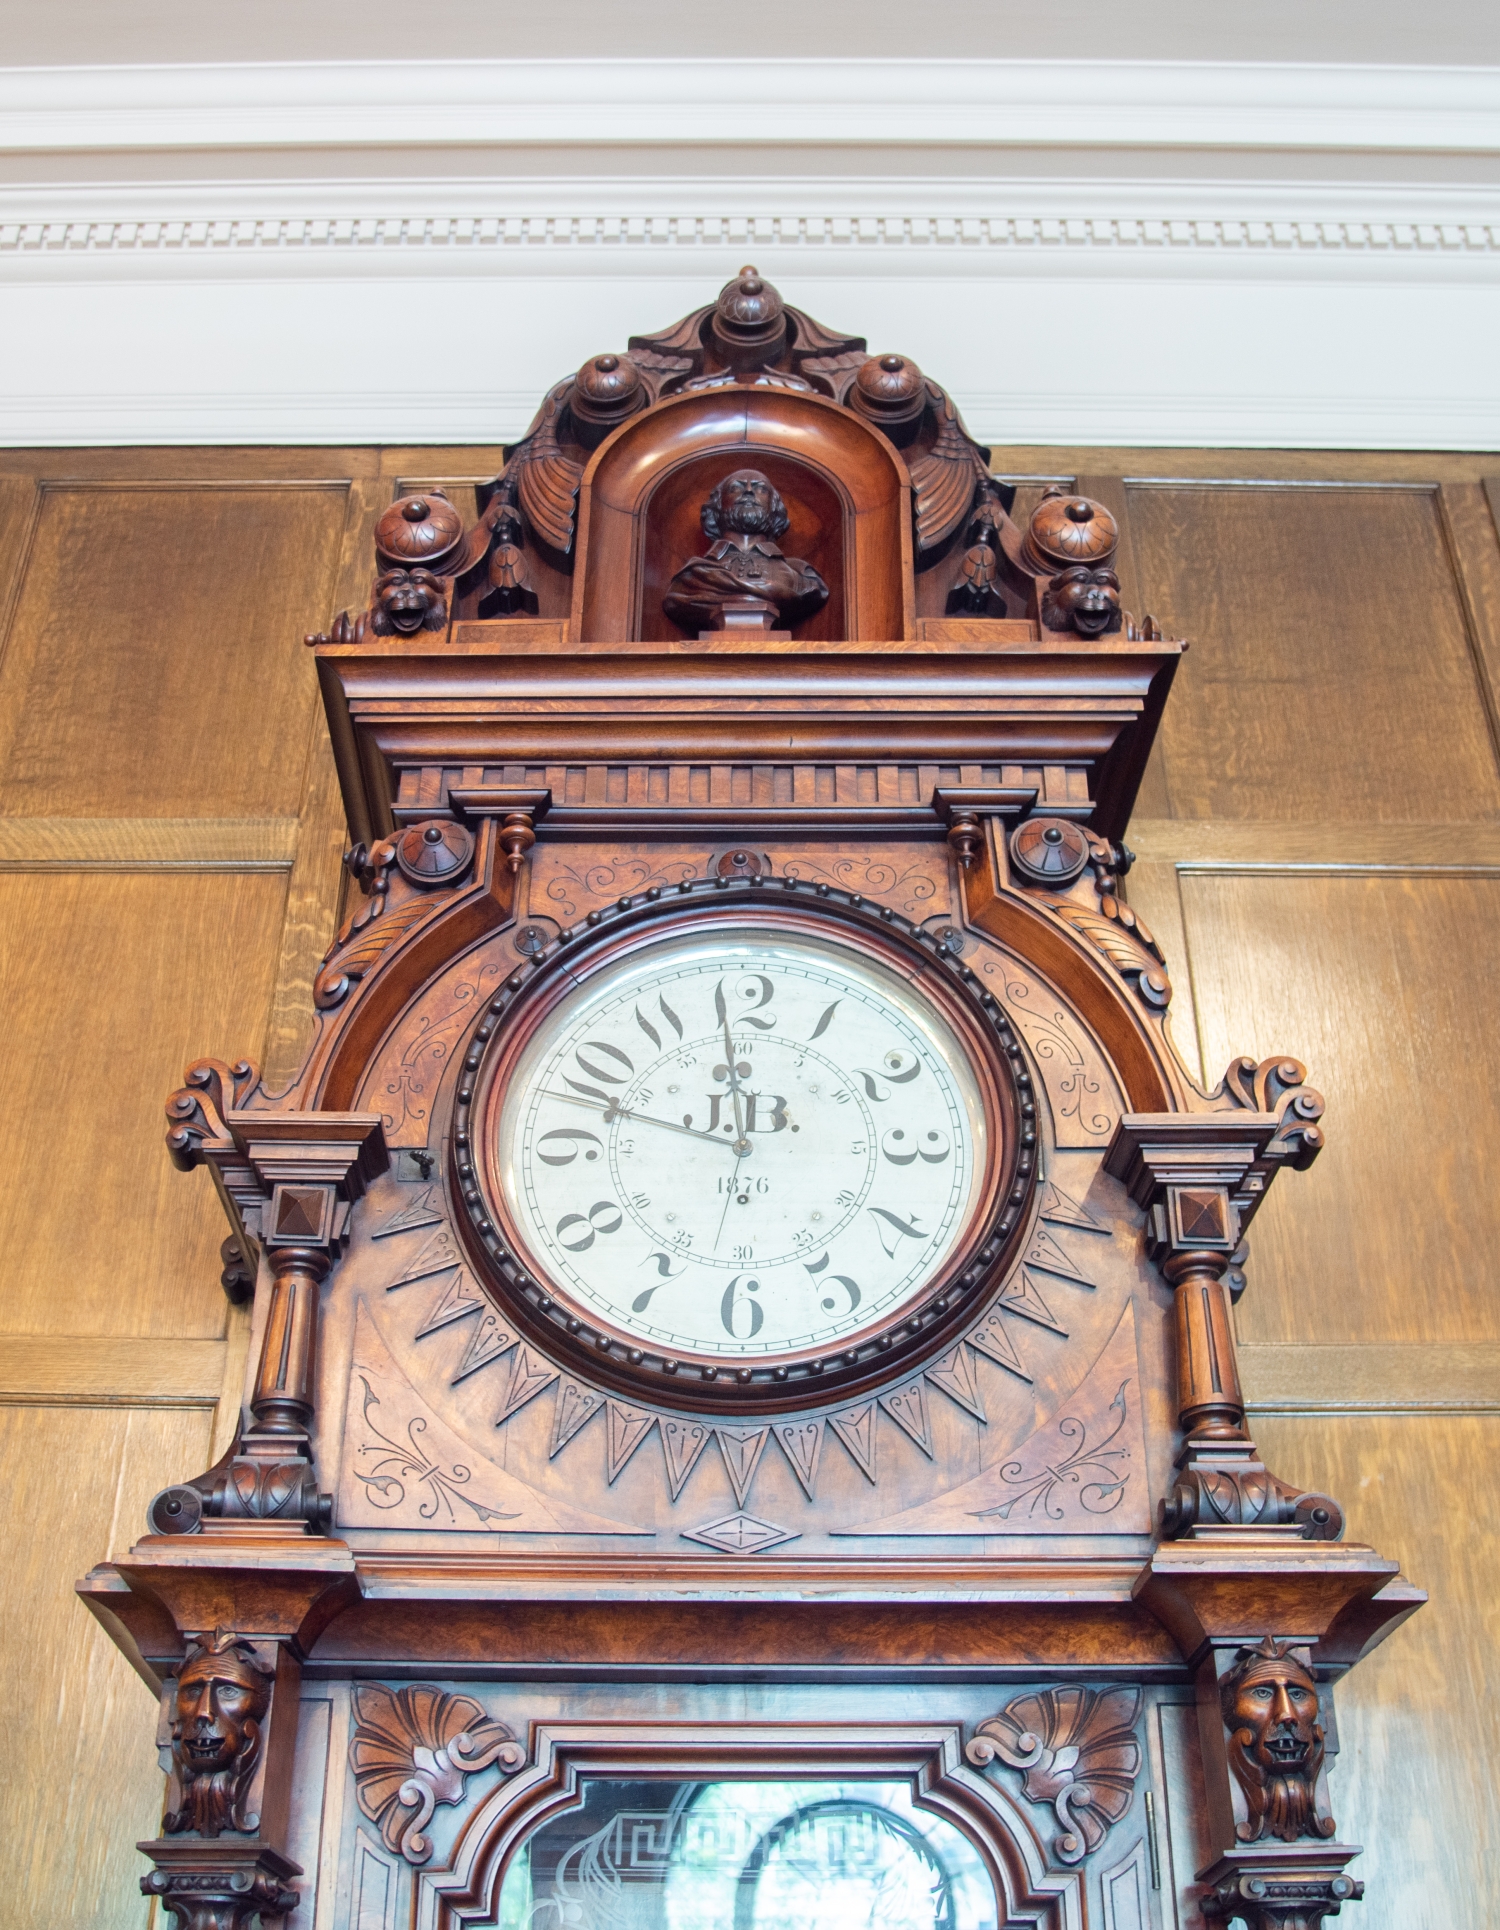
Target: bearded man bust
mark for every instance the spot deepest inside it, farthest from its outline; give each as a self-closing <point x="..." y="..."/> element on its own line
<point x="223" y="1695"/>
<point x="744" y="582"/>
<point x="1270" y="1708"/>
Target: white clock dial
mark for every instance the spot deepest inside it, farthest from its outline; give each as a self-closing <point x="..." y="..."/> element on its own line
<point x="732" y="1148"/>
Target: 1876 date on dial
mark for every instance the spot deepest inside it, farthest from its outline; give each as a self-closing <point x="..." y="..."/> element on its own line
<point x="739" y="1147"/>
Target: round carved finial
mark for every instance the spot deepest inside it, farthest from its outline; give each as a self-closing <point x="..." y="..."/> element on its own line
<point x="1049" y="851"/>
<point x="419" y="529"/>
<point x="1066" y="530"/>
<point x="889" y="391"/>
<point x="749" y="319"/>
<point x="434" y="854"/>
<point x="608" y="388"/>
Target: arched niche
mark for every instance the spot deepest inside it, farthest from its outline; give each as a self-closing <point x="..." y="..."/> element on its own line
<point x="1029" y="1893"/>
<point x="846" y="489"/>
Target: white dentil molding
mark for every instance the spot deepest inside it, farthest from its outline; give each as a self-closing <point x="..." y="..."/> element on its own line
<point x="752" y="102"/>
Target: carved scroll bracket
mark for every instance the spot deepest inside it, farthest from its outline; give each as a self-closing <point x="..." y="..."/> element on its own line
<point x="313" y="1166"/>
<point x="1270" y="1894"/>
<point x="219" y="1886"/>
<point x="1200" y="1176"/>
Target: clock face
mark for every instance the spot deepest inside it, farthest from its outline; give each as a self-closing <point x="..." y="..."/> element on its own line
<point x="736" y="1146"/>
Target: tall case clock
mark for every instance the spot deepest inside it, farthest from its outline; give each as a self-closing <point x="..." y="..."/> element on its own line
<point x="743" y="1423"/>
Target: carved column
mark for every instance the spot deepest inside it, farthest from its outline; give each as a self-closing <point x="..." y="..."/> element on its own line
<point x="313" y="1166"/>
<point x="1200" y="1176"/>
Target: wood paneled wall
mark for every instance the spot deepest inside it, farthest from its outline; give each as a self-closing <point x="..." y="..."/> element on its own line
<point x="1319" y="851"/>
<point x="170" y="837"/>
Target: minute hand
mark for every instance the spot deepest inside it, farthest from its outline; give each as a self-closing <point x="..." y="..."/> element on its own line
<point x="613" y="1111"/>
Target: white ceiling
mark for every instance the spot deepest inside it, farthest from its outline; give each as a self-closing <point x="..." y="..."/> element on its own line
<point x="1273" y="223"/>
<point x="1388" y="32"/>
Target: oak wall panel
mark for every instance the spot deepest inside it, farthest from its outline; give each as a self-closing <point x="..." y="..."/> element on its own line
<point x="155" y="665"/>
<point x="1331" y="673"/>
<point x="111" y="984"/>
<point x="82" y="1784"/>
<point x="1419" y="1720"/>
<point x="1384" y="985"/>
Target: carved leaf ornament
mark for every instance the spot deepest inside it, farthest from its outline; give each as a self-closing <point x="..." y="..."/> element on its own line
<point x="1079" y="1753"/>
<point x="412" y="1749"/>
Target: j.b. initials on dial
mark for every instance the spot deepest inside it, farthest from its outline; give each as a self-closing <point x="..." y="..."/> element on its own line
<point x="733" y="1149"/>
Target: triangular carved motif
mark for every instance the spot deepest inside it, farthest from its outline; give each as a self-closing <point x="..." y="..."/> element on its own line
<point x="1020" y="1295"/>
<point x="855" y="1427"/>
<point x="437" y="1256"/>
<point x="907" y="1407"/>
<point x="802" y="1444"/>
<point x="1063" y="1210"/>
<point x="529" y="1374"/>
<point x="576" y="1405"/>
<point x="628" y="1427"/>
<point x="740" y="1534"/>
<point x="995" y="1344"/>
<point x="682" y="1442"/>
<point x="404" y="1466"/>
<point x="487" y="1343"/>
<point x="1082" y="1471"/>
<point x="419" y="1211"/>
<point x="954" y="1373"/>
<point x="458" y="1298"/>
<point x="742" y="1448"/>
<point x="1044" y="1252"/>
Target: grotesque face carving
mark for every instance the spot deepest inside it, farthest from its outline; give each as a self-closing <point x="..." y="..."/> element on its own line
<point x="745" y="504"/>
<point x="1270" y="1706"/>
<point x="407" y="601"/>
<point x="1084" y="600"/>
<point x="222" y="1697"/>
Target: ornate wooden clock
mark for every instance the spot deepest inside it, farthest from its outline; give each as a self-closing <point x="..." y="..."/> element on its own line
<point x="744" y="1424"/>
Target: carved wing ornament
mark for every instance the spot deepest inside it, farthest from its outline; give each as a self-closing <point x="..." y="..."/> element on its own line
<point x="426" y="857"/>
<point x="412" y="1749"/>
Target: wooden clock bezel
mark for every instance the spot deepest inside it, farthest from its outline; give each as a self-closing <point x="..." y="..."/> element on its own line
<point x="925" y="1324"/>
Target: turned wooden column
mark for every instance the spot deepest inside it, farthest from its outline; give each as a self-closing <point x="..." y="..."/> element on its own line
<point x="283" y="1399"/>
<point x="1199" y="1177"/>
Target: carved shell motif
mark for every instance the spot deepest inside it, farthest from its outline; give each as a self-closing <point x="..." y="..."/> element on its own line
<point x="412" y="1749"/>
<point x="1079" y="1753"/>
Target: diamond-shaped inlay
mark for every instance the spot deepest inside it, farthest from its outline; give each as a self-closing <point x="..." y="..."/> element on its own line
<point x="740" y="1534"/>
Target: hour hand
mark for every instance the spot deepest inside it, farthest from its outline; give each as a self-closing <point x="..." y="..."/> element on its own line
<point x="613" y="1110"/>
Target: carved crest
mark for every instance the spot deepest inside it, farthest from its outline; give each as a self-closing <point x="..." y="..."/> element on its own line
<point x="1079" y="1753"/>
<point x="412" y="1750"/>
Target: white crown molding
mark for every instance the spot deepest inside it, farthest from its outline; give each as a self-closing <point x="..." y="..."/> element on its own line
<point x="1088" y="103"/>
<point x="1131" y="230"/>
